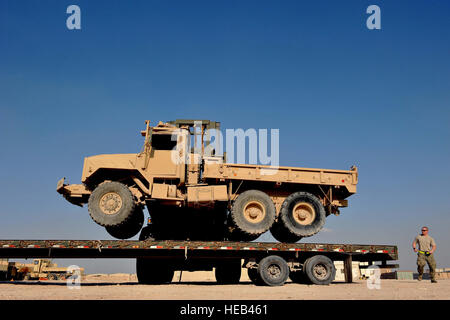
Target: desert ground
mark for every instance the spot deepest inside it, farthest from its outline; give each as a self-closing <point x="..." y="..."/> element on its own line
<point x="201" y="286"/>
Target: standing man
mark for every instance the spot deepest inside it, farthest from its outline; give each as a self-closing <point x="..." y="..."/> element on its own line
<point x="425" y="253"/>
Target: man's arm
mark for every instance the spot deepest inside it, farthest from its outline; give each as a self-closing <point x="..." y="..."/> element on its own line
<point x="414" y="244"/>
<point x="433" y="249"/>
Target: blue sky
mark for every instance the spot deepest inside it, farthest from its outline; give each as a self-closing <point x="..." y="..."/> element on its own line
<point x="339" y="93"/>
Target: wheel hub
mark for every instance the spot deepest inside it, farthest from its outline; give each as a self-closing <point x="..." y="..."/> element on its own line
<point x="110" y="203"/>
<point x="274" y="271"/>
<point x="303" y="213"/>
<point x="254" y="212"/>
<point x="320" y="271"/>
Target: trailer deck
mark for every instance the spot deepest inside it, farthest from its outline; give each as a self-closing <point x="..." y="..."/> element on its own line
<point x="147" y="248"/>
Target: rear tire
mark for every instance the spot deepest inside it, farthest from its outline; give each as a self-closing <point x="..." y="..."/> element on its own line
<point x="302" y="214"/>
<point x="228" y="272"/>
<point x="253" y="213"/>
<point x="152" y="271"/>
<point x="273" y="271"/>
<point x="111" y="204"/>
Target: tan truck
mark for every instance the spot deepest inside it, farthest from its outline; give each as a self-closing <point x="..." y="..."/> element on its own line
<point x="195" y="195"/>
<point x="45" y="268"/>
<point x="39" y="269"/>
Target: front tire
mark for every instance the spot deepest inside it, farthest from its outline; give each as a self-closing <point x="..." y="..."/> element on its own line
<point x="129" y="228"/>
<point x="111" y="204"/>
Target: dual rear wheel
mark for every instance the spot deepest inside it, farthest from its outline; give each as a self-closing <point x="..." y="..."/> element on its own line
<point x="271" y="271"/>
<point x="253" y="212"/>
<point x="301" y="215"/>
<point x="274" y="271"/>
<point x="318" y="270"/>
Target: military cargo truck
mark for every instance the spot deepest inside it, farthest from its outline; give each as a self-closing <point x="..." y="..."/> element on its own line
<point x="45" y="268"/>
<point x="39" y="269"/>
<point x="194" y="194"/>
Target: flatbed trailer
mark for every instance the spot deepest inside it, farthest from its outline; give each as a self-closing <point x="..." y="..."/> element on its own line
<point x="267" y="263"/>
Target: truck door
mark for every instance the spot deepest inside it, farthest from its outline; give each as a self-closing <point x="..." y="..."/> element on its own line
<point x="160" y="162"/>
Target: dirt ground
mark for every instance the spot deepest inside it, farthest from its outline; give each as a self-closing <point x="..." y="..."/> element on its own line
<point x="201" y="286"/>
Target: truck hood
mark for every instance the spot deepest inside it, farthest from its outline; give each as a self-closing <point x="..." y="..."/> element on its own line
<point x="107" y="161"/>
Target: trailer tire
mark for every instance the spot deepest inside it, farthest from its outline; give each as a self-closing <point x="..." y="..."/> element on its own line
<point x="253" y="212"/>
<point x="273" y="271"/>
<point x="151" y="271"/>
<point x="319" y="270"/>
<point x="111" y="204"/>
<point x="282" y="234"/>
<point x="228" y="272"/>
<point x="302" y="214"/>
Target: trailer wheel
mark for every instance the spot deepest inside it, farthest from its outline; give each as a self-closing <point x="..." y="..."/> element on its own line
<point x="273" y="271"/>
<point x="228" y="272"/>
<point x="151" y="271"/>
<point x="129" y="228"/>
<point x="253" y="212"/>
<point x="111" y="204"/>
<point x="282" y="234"/>
<point x="320" y="270"/>
<point x="302" y="214"/>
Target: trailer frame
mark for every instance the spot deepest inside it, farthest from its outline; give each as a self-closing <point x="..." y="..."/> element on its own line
<point x="201" y="255"/>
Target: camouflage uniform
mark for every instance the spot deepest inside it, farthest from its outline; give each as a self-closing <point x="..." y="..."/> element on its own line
<point x="426" y="244"/>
